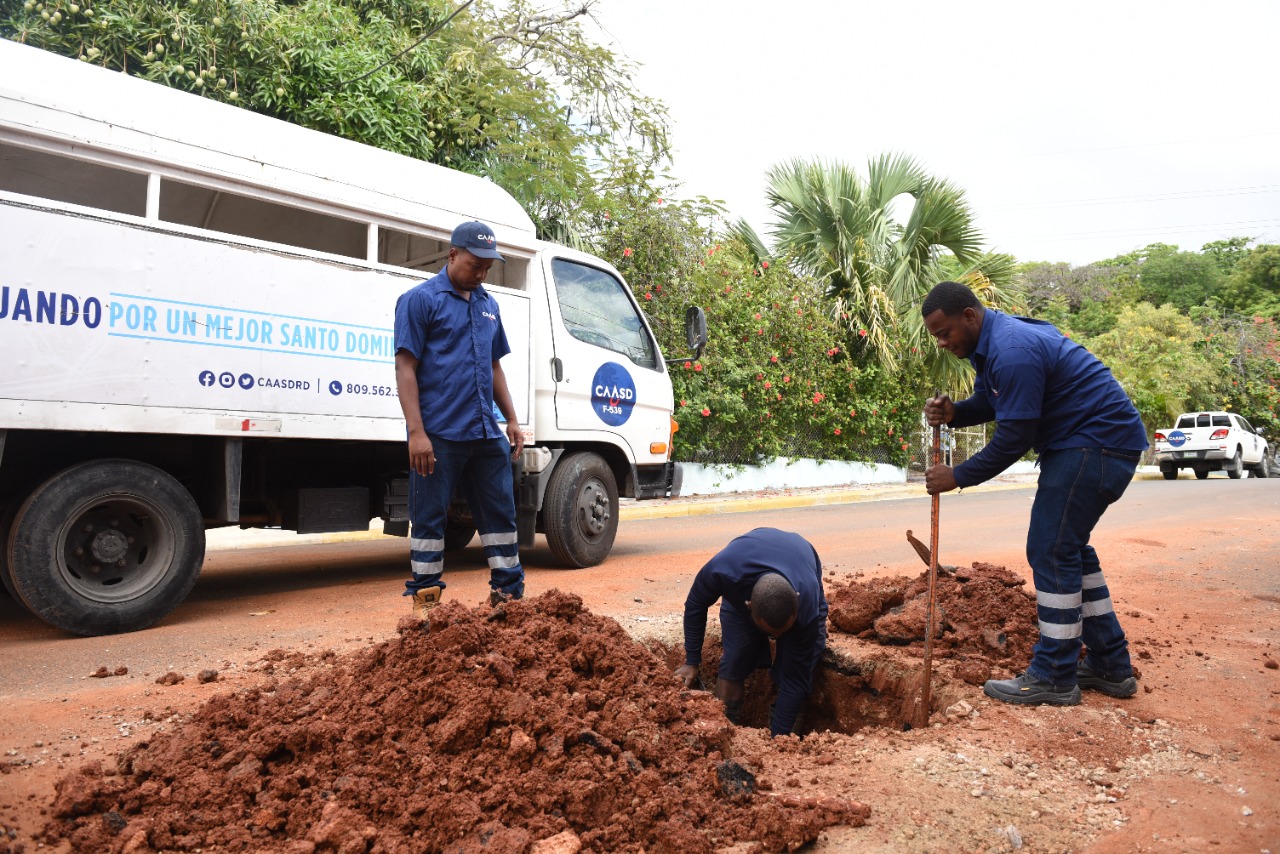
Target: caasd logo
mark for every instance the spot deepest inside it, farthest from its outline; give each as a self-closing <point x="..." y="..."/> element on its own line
<point x="489" y="315"/>
<point x="613" y="394"/>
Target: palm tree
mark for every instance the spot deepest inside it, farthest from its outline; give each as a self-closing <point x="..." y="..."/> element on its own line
<point x="844" y="231"/>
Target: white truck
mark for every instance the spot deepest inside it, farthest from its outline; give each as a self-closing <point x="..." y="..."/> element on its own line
<point x="196" y="312"/>
<point x="1212" y="441"/>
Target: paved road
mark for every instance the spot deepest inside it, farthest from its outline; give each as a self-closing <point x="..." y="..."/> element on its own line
<point x="340" y="595"/>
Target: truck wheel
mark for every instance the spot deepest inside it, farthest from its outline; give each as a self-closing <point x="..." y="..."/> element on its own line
<point x="1169" y="474"/>
<point x="1201" y="474"/>
<point x="580" y="510"/>
<point x="7" y="512"/>
<point x="1237" y="466"/>
<point x="1263" y="468"/>
<point x="457" y="536"/>
<point x="106" y="546"/>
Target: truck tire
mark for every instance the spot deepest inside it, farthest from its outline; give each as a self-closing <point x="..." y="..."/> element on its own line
<point x="7" y="512"/>
<point x="1263" y="468"/>
<point x="458" y="535"/>
<point x="580" y="510"/>
<point x="1236" y="467"/>
<point x="106" y="546"/>
<point x="1169" y="474"/>
<point x="1201" y="474"/>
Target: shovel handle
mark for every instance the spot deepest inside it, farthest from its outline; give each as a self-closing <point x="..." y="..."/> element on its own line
<point x="926" y="690"/>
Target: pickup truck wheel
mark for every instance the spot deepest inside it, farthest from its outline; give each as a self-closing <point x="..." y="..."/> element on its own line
<point x="1237" y="466"/>
<point x="1263" y="468"/>
<point x="106" y="546"/>
<point x="1169" y="474"/>
<point x="1201" y="474"/>
<point x="580" y="510"/>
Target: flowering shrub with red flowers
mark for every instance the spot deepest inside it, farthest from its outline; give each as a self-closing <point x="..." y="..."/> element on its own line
<point x="778" y="376"/>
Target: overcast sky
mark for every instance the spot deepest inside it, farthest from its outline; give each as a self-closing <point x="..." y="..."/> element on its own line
<point x="1079" y="130"/>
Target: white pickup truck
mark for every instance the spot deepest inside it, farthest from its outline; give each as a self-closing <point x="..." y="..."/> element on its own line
<point x="1212" y="441"/>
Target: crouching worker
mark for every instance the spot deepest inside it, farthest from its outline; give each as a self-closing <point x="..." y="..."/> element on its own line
<point x="769" y="584"/>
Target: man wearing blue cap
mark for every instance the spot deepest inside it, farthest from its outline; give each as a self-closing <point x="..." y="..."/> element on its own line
<point x="449" y="340"/>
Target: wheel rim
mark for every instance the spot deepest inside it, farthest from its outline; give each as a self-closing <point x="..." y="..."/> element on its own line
<point x="593" y="510"/>
<point x="115" y="548"/>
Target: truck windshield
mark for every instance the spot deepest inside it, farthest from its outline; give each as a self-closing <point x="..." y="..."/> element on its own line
<point x="596" y="310"/>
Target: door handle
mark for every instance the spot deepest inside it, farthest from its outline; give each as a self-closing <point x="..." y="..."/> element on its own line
<point x="557" y="369"/>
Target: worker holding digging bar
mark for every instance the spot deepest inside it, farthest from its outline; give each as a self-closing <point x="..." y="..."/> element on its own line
<point x="1046" y="393"/>
<point x="769" y="584"/>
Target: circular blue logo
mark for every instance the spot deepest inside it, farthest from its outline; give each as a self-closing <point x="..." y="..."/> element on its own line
<point x="613" y="394"/>
<point x="1177" y="438"/>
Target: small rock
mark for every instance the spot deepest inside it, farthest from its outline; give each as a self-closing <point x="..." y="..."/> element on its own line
<point x="206" y="676"/>
<point x="1011" y="833"/>
<point x="1270" y="664"/>
<point x="172" y="678"/>
<point x="566" y="842"/>
<point x="1246" y="811"/>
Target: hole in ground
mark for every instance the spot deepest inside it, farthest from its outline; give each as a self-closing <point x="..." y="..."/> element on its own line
<point x="848" y="695"/>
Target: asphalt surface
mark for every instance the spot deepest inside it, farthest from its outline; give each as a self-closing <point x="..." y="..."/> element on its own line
<point x="668" y="508"/>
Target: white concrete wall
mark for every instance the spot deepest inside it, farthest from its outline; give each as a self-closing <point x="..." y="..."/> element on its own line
<point x="785" y="473"/>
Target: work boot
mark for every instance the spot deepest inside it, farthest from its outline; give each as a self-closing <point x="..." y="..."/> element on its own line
<point x="1029" y="691"/>
<point x="423" y="601"/>
<point x="1092" y="680"/>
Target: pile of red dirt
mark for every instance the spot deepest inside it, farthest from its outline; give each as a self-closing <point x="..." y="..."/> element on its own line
<point x="984" y="617"/>
<point x="534" y="726"/>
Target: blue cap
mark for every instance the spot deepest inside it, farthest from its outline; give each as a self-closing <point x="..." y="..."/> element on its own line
<point x="476" y="238"/>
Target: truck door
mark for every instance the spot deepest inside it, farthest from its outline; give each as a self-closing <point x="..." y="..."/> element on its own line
<point x="611" y="375"/>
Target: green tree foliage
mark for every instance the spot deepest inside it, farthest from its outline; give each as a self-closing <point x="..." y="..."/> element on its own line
<point x="1157" y="356"/>
<point x="1245" y="353"/>
<point x="774" y="379"/>
<point x="1253" y="285"/>
<point x="845" y="231"/>
<point x="508" y="90"/>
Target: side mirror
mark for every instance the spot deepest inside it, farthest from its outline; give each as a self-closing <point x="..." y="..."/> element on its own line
<point x="695" y="329"/>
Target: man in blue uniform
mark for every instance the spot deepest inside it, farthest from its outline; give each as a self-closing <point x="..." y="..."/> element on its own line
<point x="769" y="584"/>
<point x="449" y="339"/>
<point x="1048" y="393"/>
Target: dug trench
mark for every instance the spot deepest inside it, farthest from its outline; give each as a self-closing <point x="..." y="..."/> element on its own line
<point x="538" y="726"/>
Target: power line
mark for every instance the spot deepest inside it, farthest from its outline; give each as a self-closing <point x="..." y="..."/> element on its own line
<point x="1204" y="140"/>
<point x="1150" y="197"/>
<point x="1155" y="231"/>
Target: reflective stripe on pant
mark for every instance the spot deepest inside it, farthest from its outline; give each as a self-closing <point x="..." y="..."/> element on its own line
<point x="1075" y="488"/>
<point x="481" y="469"/>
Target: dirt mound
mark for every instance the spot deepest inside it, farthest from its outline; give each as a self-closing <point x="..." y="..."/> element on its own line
<point x="533" y="726"/>
<point x="985" y="619"/>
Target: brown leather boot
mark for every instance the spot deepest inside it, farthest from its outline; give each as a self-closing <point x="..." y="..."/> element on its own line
<point x="423" y="601"/>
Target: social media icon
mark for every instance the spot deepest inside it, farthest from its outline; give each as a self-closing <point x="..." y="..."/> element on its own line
<point x="335" y="387"/>
<point x="206" y="378"/>
<point x="246" y="381"/>
<point x="226" y="379"/>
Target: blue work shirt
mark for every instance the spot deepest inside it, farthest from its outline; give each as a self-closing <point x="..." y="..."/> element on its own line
<point x="731" y="574"/>
<point x="1029" y="371"/>
<point x="456" y="341"/>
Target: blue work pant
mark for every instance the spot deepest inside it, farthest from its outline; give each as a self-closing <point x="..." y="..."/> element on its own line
<point x="481" y="470"/>
<point x="1072" y="601"/>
